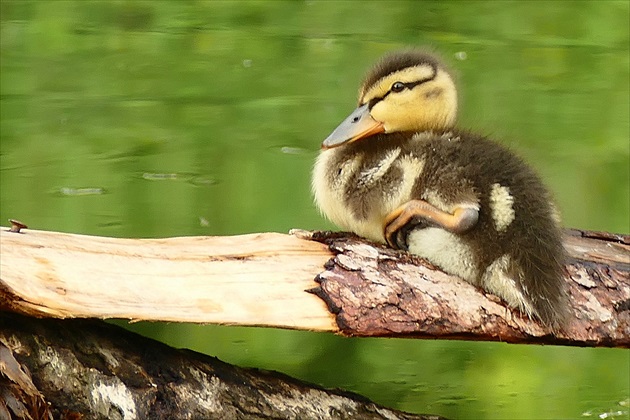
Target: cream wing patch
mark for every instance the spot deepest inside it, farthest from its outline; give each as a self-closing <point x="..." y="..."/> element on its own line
<point x="502" y="207"/>
<point x="411" y="169"/>
<point x="370" y="176"/>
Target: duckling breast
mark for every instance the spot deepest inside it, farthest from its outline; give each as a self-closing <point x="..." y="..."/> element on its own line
<point x="356" y="188"/>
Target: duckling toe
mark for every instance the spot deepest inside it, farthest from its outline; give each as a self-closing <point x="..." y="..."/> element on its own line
<point x="400" y="238"/>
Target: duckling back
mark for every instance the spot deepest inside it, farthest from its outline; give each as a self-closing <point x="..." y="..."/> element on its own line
<point x="515" y="250"/>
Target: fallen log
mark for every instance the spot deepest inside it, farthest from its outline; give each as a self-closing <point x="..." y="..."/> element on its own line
<point x="261" y="280"/>
<point x="376" y="291"/>
<point x="75" y="369"/>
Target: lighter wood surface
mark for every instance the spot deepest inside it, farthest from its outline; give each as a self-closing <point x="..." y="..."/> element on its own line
<point x="257" y="279"/>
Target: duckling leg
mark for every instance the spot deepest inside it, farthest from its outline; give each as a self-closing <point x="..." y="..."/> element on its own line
<point x="462" y="219"/>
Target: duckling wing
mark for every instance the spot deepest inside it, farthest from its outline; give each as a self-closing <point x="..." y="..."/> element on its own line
<point x="514" y="250"/>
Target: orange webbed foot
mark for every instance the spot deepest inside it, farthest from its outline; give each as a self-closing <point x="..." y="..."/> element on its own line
<point x="419" y="212"/>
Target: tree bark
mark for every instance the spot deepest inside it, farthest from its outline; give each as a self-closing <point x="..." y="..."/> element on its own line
<point x="261" y="279"/>
<point x="87" y="369"/>
<point x="376" y="291"/>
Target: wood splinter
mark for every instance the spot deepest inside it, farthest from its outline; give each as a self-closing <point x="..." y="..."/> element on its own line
<point x="16" y="226"/>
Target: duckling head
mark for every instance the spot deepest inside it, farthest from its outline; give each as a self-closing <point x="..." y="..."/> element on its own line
<point x="407" y="91"/>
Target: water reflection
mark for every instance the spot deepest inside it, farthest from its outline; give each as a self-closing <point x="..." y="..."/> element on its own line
<point x="69" y="191"/>
<point x="151" y="119"/>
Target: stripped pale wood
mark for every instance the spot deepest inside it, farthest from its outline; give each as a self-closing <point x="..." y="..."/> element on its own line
<point x="258" y="279"/>
<point x="261" y="280"/>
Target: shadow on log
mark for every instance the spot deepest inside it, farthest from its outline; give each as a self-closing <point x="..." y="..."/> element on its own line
<point x="77" y="369"/>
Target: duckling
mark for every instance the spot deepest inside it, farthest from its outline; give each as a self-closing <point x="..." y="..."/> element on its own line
<point x="397" y="171"/>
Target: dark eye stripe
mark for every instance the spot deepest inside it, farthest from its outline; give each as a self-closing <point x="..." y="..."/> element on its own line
<point x="408" y="85"/>
<point x="412" y="85"/>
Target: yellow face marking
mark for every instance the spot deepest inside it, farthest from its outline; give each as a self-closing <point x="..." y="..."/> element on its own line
<point x="430" y="105"/>
<point x="382" y="86"/>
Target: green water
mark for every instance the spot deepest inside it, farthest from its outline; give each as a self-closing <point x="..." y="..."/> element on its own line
<point x="153" y="119"/>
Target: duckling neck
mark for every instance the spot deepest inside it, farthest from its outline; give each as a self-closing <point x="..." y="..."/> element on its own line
<point x="378" y="143"/>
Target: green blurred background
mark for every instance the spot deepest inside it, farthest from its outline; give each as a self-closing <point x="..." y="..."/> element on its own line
<point x="157" y="118"/>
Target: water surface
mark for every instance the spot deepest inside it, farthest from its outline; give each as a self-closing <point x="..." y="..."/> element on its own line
<point x="153" y="119"/>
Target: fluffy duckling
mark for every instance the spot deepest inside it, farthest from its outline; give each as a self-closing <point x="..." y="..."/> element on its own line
<point x="396" y="171"/>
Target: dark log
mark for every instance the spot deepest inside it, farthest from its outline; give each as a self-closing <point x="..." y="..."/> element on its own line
<point x="87" y="369"/>
<point x="376" y="291"/>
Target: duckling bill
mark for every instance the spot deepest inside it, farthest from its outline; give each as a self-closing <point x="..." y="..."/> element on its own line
<point x="397" y="171"/>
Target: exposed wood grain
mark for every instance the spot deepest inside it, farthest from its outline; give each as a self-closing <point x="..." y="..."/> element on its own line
<point x="261" y="279"/>
<point x="256" y="279"/>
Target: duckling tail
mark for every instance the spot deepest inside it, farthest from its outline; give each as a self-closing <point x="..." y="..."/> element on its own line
<point x="539" y="276"/>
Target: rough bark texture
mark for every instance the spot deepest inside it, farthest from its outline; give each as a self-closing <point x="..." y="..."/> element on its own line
<point x="260" y="280"/>
<point x="376" y="291"/>
<point x="88" y="369"/>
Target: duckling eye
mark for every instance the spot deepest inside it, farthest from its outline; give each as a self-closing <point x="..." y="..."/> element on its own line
<point x="398" y="87"/>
